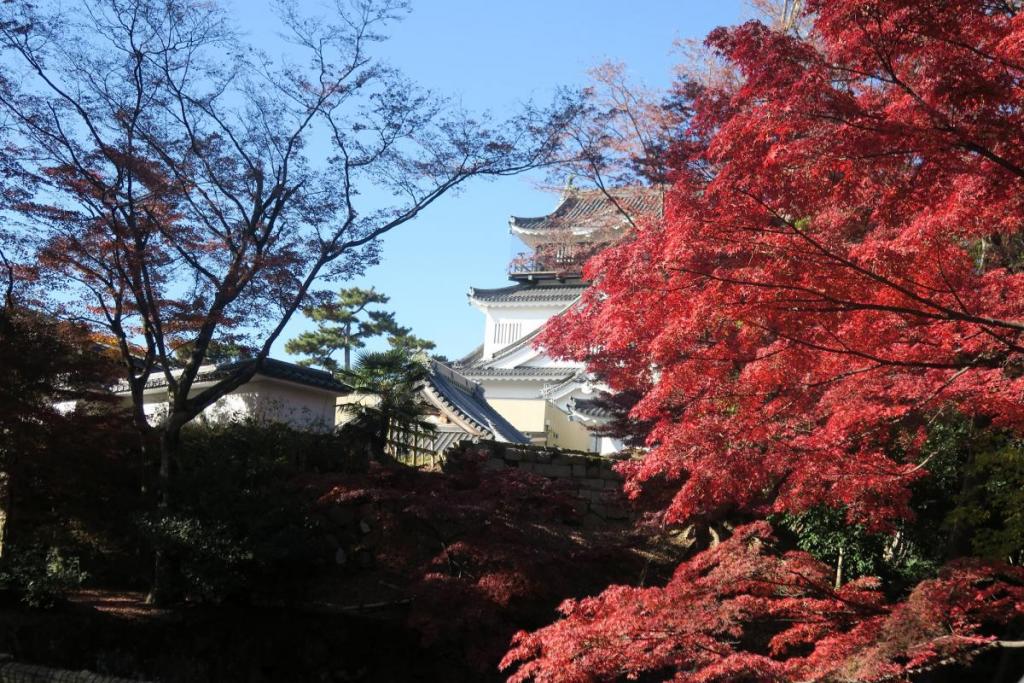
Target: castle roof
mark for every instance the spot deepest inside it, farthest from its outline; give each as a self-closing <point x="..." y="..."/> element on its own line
<point x="519" y="373"/>
<point x="592" y="408"/>
<point x="465" y="398"/>
<point x="593" y="210"/>
<point x="530" y="292"/>
<point x="270" y="367"/>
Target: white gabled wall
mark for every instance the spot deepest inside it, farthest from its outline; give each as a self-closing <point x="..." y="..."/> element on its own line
<point x="505" y="325"/>
<point x="263" y="399"/>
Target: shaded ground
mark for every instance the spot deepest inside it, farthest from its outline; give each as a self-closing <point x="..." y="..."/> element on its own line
<point x="117" y="634"/>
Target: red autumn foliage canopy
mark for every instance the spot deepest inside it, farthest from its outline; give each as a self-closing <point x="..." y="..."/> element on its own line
<point x="839" y="260"/>
<point x="737" y="613"/>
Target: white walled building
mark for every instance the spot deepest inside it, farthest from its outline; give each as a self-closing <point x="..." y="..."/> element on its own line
<point x="536" y="393"/>
<point x="301" y="397"/>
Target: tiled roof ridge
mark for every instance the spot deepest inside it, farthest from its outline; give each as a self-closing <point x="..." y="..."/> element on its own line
<point x="590" y="407"/>
<point x="578" y="206"/>
<point x="488" y="420"/>
<point x="579" y="375"/>
<point x="560" y="374"/>
<point x="526" y="292"/>
<point x="270" y="367"/>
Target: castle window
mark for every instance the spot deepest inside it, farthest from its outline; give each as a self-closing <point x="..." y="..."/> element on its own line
<point x="507" y="332"/>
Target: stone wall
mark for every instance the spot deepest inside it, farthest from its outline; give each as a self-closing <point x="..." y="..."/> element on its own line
<point x="590" y="478"/>
<point x="352" y="526"/>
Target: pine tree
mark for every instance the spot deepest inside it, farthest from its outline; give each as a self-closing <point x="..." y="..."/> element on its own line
<point x="344" y="323"/>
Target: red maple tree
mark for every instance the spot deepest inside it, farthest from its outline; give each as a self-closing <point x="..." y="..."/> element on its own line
<point x="838" y="266"/>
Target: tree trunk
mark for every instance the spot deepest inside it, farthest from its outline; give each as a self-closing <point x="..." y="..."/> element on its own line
<point x="839" y="569"/>
<point x="165" y="589"/>
<point x="348" y="349"/>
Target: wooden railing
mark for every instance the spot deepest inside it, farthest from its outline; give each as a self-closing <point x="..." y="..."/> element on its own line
<point x="413" y="447"/>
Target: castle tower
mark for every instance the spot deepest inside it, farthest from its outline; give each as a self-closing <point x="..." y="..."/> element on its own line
<point x="533" y="391"/>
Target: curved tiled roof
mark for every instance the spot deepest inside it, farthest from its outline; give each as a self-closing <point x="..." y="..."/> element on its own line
<point x="527" y="293"/>
<point x="448" y="438"/>
<point x="589" y="407"/>
<point x="593" y="210"/>
<point x="271" y="367"/>
<point x="553" y="374"/>
<point x="466" y="398"/>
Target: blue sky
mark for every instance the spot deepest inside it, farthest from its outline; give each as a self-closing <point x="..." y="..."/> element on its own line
<point x="492" y="55"/>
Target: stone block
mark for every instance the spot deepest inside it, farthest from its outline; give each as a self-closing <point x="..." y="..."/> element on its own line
<point x="493" y="465"/>
<point x="592" y="484"/>
<point x="556" y="471"/>
<point x="561" y="471"/>
<point x="608" y="473"/>
<point x="579" y="470"/>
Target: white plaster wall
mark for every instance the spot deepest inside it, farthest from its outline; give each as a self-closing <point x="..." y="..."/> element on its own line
<point x="528" y="317"/>
<point x="608" y="445"/>
<point x="529" y="357"/>
<point x="263" y="399"/>
<point x="276" y="401"/>
<point x="511" y="389"/>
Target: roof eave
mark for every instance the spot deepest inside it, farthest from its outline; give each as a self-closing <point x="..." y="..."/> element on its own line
<point x="533" y="303"/>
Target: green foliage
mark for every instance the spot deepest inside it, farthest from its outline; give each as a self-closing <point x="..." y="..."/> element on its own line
<point x="974" y="494"/>
<point x="344" y="323"/>
<point x="40" y="575"/>
<point x="993" y="506"/>
<point x="213" y="556"/>
<point x="239" y="524"/>
<point x="405" y="341"/>
<point x="391" y="407"/>
<point x="825" y="533"/>
<point x="971" y="503"/>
